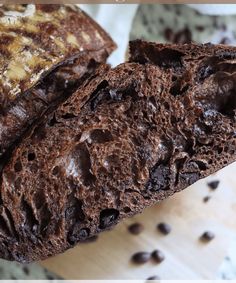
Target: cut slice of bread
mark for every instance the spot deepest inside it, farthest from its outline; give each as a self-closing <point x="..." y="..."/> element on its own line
<point x="128" y="138"/>
<point x="46" y="52"/>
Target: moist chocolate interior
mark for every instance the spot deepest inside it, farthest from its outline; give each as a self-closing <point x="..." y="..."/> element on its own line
<point x="146" y="130"/>
<point x="213" y="88"/>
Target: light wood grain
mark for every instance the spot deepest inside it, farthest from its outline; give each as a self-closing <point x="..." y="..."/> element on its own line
<point x="186" y="256"/>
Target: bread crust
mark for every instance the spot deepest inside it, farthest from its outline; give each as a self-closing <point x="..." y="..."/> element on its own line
<point x="37" y="38"/>
<point x="37" y="44"/>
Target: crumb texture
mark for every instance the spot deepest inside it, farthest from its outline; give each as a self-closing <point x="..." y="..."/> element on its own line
<point x="130" y="137"/>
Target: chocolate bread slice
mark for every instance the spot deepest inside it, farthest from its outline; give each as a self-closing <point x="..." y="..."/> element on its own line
<point x="128" y="138"/>
<point x="43" y="48"/>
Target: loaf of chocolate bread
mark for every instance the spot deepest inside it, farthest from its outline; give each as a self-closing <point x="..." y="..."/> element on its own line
<point x="47" y="51"/>
<point x="128" y="138"/>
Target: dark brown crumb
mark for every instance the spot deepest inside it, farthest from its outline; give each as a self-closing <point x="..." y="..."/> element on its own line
<point x="158" y="256"/>
<point x="155" y="277"/>
<point x="164" y="228"/>
<point x="207" y="236"/>
<point x="141" y="257"/>
<point x="213" y="185"/>
<point x="206" y="198"/>
<point x="135" y="228"/>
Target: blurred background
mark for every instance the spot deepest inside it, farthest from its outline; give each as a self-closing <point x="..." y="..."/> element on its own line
<point x="190" y="213"/>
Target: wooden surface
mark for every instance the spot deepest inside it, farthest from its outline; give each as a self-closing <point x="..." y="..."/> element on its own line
<point x="186" y="256"/>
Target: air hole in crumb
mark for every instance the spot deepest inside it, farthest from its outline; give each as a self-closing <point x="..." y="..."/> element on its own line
<point x="166" y="105"/>
<point x="53" y="121"/>
<point x="101" y="136"/>
<point x="173" y="119"/>
<point x="18" y="166"/>
<point x="174" y="78"/>
<point x="127" y="209"/>
<point x="178" y="89"/>
<point x="201" y="165"/>
<point x="108" y="217"/>
<point x="69" y="116"/>
<point x="55" y="170"/>
<point x="31" y="156"/>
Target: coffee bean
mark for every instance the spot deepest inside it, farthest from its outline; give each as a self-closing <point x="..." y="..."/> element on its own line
<point x="141" y="257"/>
<point x="155" y="277"/>
<point x="213" y="184"/>
<point x="26" y="270"/>
<point x="206" y="198"/>
<point x="135" y="228"/>
<point x="200" y="28"/>
<point x="164" y="228"/>
<point x="158" y="256"/>
<point x="207" y="236"/>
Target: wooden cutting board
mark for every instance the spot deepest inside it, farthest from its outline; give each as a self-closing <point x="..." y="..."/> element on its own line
<point x="186" y="256"/>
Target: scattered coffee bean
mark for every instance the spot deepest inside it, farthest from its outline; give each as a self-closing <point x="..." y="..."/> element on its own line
<point x="135" y="228"/>
<point x="141" y="257"/>
<point x="206" y="198"/>
<point x="164" y="228"/>
<point x="213" y="184"/>
<point x="155" y="277"/>
<point x="26" y="270"/>
<point x="49" y="277"/>
<point x="158" y="256"/>
<point x="207" y="236"/>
